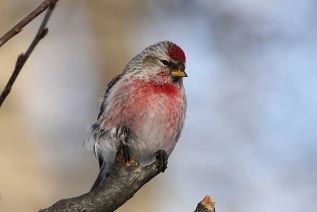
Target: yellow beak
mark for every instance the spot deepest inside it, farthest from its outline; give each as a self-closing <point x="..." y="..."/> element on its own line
<point x="178" y="73"/>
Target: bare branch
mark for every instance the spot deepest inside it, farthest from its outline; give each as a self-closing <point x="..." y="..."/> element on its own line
<point x="42" y="31"/>
<point x="19" y="27"/>
<point x="123" y="182"/>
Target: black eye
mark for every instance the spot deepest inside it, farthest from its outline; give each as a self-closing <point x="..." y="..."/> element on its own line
<point x="165" y="62"/>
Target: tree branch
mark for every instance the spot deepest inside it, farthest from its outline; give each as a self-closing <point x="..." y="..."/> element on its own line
<point x="19" y="27"/>
<point x="42" y="31"/>
<point x="123" y="182"/>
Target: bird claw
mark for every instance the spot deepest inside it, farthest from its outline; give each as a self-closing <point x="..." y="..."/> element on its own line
<point x="162" y="157"/>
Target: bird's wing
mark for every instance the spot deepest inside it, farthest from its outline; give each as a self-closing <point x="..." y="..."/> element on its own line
<point x="110" y="85"/>
<point x="102" y="108"/>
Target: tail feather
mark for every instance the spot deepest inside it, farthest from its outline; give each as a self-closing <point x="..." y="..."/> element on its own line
<point x="105" y="144"/>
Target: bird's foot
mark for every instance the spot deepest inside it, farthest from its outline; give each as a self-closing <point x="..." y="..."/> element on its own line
<point x="162" y="157"/>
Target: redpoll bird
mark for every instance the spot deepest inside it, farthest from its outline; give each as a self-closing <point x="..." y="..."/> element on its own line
<point x="143" y="110"/>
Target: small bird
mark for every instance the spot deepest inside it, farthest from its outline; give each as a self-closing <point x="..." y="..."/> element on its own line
<point x="143" y="110"/>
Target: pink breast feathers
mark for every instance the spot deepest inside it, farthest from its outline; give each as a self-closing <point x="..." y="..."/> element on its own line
<point x="151" y="96"/>
<point x="168" y="89"/>
<point x="134" y="101"/>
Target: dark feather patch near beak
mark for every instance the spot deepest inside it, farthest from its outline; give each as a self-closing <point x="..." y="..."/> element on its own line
<point x="177" y="70"/>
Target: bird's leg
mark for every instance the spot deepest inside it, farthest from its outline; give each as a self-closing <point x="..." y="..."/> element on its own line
<point x="123" y="134"/>
<point x="162" y="157"/>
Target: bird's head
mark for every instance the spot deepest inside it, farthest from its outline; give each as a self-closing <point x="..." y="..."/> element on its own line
<point x="162" y="62"/>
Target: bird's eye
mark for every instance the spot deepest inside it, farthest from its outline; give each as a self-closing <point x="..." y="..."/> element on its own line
<point x="165" y="62"/>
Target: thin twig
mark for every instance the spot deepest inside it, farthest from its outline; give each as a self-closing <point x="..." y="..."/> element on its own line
<point x="42" y="31"/>
<point x="19" y="27"/>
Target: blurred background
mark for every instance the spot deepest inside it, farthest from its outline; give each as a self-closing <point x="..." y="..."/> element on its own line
<point x="249" y="138"/>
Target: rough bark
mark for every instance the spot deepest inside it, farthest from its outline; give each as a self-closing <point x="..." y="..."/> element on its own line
<point x="124" y="181"/>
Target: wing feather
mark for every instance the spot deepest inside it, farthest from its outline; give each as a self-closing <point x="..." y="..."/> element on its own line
<point x="110" y="85"/>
